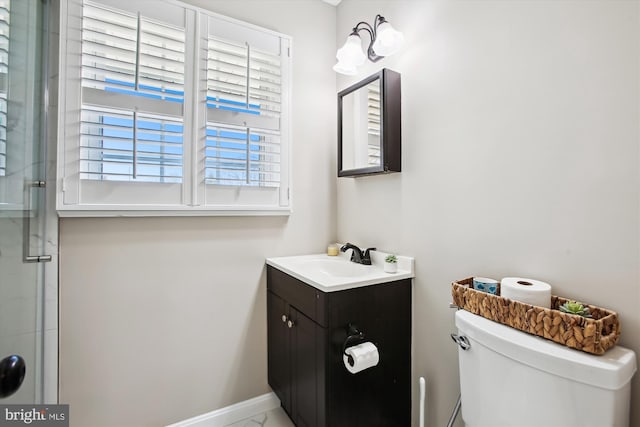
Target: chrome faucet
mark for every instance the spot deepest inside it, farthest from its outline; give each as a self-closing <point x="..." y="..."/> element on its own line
<point x="357" y="255"/>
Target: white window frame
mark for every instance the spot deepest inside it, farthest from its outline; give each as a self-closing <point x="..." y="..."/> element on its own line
<point x="195" y="197"/>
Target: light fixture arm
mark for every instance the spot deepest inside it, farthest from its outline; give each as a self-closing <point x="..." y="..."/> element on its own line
<point x="365" y="26"/>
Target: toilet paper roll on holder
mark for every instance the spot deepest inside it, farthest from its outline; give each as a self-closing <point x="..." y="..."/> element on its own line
<point x="353" y="335"/>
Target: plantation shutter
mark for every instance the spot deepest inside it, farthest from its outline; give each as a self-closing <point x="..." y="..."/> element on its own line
<point x="245" y="95"/>
<point x="4" y="74"/>
<point x="132" y="97"/>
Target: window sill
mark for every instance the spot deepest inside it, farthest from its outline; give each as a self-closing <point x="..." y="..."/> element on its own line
<point x="168" y="211"/>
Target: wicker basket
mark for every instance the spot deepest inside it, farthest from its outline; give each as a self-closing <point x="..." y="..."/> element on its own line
<point x="593" y="335"/>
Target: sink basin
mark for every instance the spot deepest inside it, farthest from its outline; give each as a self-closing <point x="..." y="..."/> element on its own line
<point x="335" y="273"/>
<point x="337" y="267"/>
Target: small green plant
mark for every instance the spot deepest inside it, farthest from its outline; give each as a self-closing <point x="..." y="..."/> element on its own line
<point x="391" y="258"/>
<point x="574" y="307"/>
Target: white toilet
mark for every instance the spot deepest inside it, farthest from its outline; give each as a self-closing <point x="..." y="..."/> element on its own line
<point x="511" y="378"/>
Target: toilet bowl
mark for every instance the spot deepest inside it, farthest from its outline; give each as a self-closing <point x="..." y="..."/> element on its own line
<point x="511" y="378"/>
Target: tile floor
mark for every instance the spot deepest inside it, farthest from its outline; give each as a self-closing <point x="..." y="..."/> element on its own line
<point x="273" y="418"/>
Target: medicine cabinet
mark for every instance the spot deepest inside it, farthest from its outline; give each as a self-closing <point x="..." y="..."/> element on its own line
<point x="369" y="126"/>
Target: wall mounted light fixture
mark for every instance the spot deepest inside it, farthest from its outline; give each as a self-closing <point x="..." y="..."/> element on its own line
<point x="385" y="40"/>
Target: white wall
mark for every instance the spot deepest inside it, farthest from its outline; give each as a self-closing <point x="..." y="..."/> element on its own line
<point x="520" y="157"/>
<point x="162" y="319"/>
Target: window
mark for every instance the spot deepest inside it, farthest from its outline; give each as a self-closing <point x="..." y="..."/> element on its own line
<point x="171" y="110"/>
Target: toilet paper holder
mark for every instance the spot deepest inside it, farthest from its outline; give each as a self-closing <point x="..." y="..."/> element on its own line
<point x="353" y="335"/>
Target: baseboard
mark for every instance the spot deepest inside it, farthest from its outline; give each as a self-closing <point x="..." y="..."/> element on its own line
<point x="233" y="413"/>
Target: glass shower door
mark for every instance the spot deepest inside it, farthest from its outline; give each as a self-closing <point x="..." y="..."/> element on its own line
<point x="23" y="121"/>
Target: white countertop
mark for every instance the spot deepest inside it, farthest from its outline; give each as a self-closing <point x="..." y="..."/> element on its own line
<point x="337" y="273"/>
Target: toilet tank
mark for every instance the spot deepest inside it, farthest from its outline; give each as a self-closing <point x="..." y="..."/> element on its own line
<point x="511" y="378"/>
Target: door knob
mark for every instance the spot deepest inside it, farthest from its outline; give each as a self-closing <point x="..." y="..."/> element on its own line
<point x="284" y="318"/>
<point x="290" y="324"/>
<point x="12" y="371"/>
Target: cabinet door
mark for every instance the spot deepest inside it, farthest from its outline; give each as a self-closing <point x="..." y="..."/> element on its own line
<point x="278" y="349"/>
<point x="304" y="352"/>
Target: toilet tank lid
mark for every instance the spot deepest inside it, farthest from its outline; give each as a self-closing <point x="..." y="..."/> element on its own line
<point x="612" y="370"/>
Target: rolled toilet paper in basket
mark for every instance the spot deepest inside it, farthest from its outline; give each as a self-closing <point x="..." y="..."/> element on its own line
<point x="363" y="356"/>
<point x="528" y="291"/>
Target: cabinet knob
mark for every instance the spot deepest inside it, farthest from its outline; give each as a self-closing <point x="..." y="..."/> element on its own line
<point x="284" y="318"/>
<point x="290" y="324"/>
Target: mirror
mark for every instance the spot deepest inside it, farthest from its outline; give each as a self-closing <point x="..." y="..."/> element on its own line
<point x="369" y="138"/>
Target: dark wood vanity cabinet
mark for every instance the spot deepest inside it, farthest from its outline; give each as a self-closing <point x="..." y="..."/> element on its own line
<point x="306" y="332"/>
<point x="294" y="353"/>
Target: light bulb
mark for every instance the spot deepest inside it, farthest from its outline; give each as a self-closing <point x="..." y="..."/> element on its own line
<point x="388" y="40"/>
<point x="344" y="68"/>
<point x="351" y="52"/>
